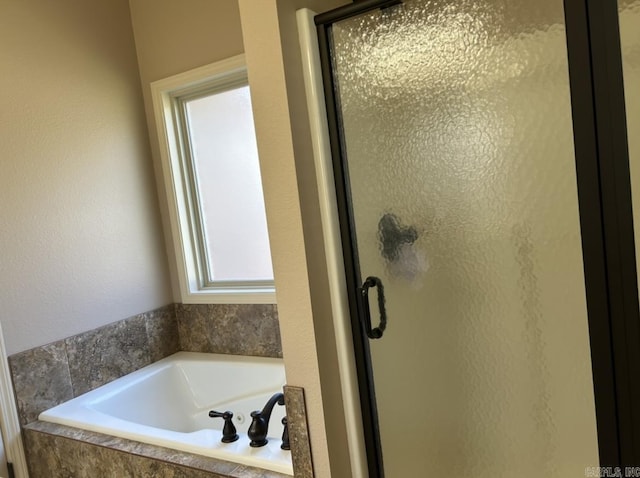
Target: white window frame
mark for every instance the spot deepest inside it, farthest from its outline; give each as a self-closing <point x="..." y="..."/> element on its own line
<point x="184" y="215"/>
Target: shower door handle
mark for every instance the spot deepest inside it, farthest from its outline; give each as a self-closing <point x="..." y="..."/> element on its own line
<point x="376" y="332"/>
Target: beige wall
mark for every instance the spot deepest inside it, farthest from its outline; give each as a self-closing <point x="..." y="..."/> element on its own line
<point x="173" y="37"/>
<point x="80" y="232"/>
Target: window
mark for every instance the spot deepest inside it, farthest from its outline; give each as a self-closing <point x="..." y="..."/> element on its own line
<point x="212" y="176"/>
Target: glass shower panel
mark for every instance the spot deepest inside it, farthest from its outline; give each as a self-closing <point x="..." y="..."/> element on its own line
<point x="629" y="14"/>
<point x="456" y="124"/>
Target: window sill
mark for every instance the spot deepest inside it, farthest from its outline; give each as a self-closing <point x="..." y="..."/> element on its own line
<point x="230" y="296"/>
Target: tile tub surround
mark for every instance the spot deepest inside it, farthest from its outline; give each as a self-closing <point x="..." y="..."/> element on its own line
<point x="46" y="376"/>
<point x="238" y="329"/>
<point x="56" y="451"/>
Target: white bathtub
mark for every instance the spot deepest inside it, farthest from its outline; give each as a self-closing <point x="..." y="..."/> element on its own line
<point x="167" y="404"/>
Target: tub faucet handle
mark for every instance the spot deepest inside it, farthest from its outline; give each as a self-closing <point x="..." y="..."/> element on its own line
<point x="229" y="433"/>
<point x="285" y="435"/>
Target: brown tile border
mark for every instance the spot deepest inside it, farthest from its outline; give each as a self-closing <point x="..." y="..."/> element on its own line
<point x="46" y="376"/>
<point x="41" y="380"/>
<point x="162" y="332"/>
<point x="54" y="373"/>
<point x="105" y="354"/>
<point x="238" y="329"/>
<point x="298" y="432"/>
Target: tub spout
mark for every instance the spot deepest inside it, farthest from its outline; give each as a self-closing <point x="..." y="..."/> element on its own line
<point x="260" y="425"/>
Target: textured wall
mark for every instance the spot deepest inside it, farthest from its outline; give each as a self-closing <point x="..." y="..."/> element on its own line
<point x="80" y="232"/>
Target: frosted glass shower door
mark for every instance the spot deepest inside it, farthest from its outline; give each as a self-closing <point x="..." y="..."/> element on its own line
<point x="456" y="131"/>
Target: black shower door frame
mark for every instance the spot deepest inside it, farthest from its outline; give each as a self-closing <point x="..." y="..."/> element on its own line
<point x="606" y="222"/>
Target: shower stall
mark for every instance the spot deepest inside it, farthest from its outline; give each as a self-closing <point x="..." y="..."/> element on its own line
<point x="484" y="195"/>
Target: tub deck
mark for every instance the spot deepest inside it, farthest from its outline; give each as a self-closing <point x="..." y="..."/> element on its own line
<point x="58" y="451"/>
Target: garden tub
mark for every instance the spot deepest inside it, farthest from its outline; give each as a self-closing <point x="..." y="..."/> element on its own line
<point x="167" y="404"/>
